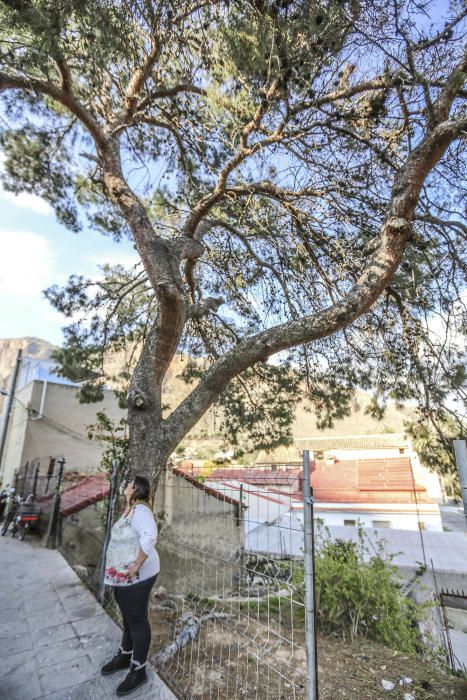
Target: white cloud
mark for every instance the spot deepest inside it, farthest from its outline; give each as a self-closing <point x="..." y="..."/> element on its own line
<point x="92" y="264"/>
<point x="117" y="256"/>
<point x="28" y="264"/>
<point x="24" y="200"/>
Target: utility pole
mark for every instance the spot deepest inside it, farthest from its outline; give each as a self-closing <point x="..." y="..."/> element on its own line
<point x="309" y="562"/>
<point x="11" y="396"/>
<point x="460" y="450"/>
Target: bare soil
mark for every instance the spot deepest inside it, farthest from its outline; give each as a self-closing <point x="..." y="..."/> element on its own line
<point x="230" y="660"/>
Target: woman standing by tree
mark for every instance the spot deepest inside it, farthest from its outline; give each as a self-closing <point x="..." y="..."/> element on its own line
<point x="131" y="568"/>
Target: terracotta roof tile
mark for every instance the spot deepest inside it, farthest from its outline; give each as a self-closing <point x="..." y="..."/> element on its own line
<point x="346" y="481"/>
<point x="92" y="489"/>
<point x="257" y="476"/>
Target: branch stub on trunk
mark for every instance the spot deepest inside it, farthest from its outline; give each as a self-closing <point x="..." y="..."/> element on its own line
<point x="137" y="400"/>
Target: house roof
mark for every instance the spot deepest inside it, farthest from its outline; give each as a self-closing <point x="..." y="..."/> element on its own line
<point x="95" y="488"/>
<point x="367" y="481"/>
<point x="207" y="489"/>
<point x="280" y="455"/>
<point x="388" y="480"/>
<point x="92" y="489"/>
<point x="352" y="442"/>
<point x="287" y="477"/>
<point x="260" y="504"/>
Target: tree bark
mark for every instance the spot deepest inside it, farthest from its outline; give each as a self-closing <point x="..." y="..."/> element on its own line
<point x="152" y="439"/>
<point x="149" y="445"/>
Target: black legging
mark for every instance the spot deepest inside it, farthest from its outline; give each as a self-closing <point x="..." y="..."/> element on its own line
<point x="133" y="602"/>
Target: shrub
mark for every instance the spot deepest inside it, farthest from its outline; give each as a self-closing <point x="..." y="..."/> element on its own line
<point x="358" y="592"/>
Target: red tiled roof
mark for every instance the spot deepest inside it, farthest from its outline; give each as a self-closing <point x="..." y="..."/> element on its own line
<point x="207" y="489"/>
<point x="92" y="489"/>
<point x="367" y="481"/>
<point x="348" y="481"/>
<point x="257" y="476"/>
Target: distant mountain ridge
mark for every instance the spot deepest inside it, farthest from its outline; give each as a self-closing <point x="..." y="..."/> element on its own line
<point x="357" y="423"/>
<point x="32" y="347"/>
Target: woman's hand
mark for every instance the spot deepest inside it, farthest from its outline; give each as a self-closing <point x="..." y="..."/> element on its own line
<point x="133" y="570"/>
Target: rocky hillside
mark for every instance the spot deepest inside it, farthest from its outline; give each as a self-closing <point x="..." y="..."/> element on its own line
<point x="31" y="347"/>
<point x="357" y="423"/>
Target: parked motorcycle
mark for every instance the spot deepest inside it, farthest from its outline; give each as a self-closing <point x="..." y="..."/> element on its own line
<point x="28" y="516"/>
<point x="11" y="515"/>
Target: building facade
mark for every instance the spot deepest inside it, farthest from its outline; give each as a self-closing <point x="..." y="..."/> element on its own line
<point x="47" y="421"/>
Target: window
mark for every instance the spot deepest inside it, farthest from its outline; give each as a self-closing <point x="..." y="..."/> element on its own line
<point x="381" y="523"/>
<point x="350" y="522"/>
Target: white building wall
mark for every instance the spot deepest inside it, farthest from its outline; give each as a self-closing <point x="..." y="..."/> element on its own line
<point x="429" y="479"/>
<point x="399" y="520"/>
<point x="17" y="430"/>
<point x="61" y="430"/>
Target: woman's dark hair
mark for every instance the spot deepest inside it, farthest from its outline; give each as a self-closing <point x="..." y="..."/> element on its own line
<point x="142" y="492"/>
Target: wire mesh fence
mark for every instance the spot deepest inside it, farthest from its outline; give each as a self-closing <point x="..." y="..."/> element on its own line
<point x="229" y="618"/>
<point x="227" y="612"/>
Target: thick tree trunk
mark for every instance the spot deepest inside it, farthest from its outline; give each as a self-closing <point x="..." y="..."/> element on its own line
<point x="151" y="438"/>
<point x="148" y="450"/>
<point x="150" y="444"/>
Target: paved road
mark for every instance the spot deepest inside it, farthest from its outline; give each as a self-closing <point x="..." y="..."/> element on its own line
<point x="453" y="517"/>
<point x="54" y="636"/>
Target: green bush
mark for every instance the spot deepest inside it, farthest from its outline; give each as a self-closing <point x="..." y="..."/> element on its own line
<point x="358" y="594"/>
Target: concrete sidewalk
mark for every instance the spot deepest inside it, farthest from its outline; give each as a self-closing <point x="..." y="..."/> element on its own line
<point x="54" y="636"/>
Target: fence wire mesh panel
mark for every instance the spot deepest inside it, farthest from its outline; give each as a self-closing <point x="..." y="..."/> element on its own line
<point x="228" y="609"/>
<point x="228" y="615"/>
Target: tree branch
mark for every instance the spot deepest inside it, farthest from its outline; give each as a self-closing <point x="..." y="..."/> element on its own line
<point x="205" y="205"/>
<point x="139" y="77"/>
<point x="64" y="97"/>
<point x="395" y="232"/>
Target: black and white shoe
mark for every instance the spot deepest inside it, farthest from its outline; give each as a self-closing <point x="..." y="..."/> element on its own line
<point x="134" y="679"/>
<point x="120" y="661"/>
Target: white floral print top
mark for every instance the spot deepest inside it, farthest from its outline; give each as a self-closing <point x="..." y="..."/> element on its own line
<point x="137" y="530"/>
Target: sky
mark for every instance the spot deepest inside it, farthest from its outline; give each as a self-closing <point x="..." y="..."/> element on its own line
<point x="36" y="252"/>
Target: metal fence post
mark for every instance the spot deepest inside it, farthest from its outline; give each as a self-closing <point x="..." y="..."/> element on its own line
<point x="309" y="563"/>
<point x="26" y="470"/>
<point x="54" y="528"/>
<point x="108" y="527"/>
<point x="50" y="473"/>
<point x="36" y="476"/>
<point x="460" y="449"/>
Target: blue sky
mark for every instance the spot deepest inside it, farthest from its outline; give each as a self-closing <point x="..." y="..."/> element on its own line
<point x="35" y="252"/>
